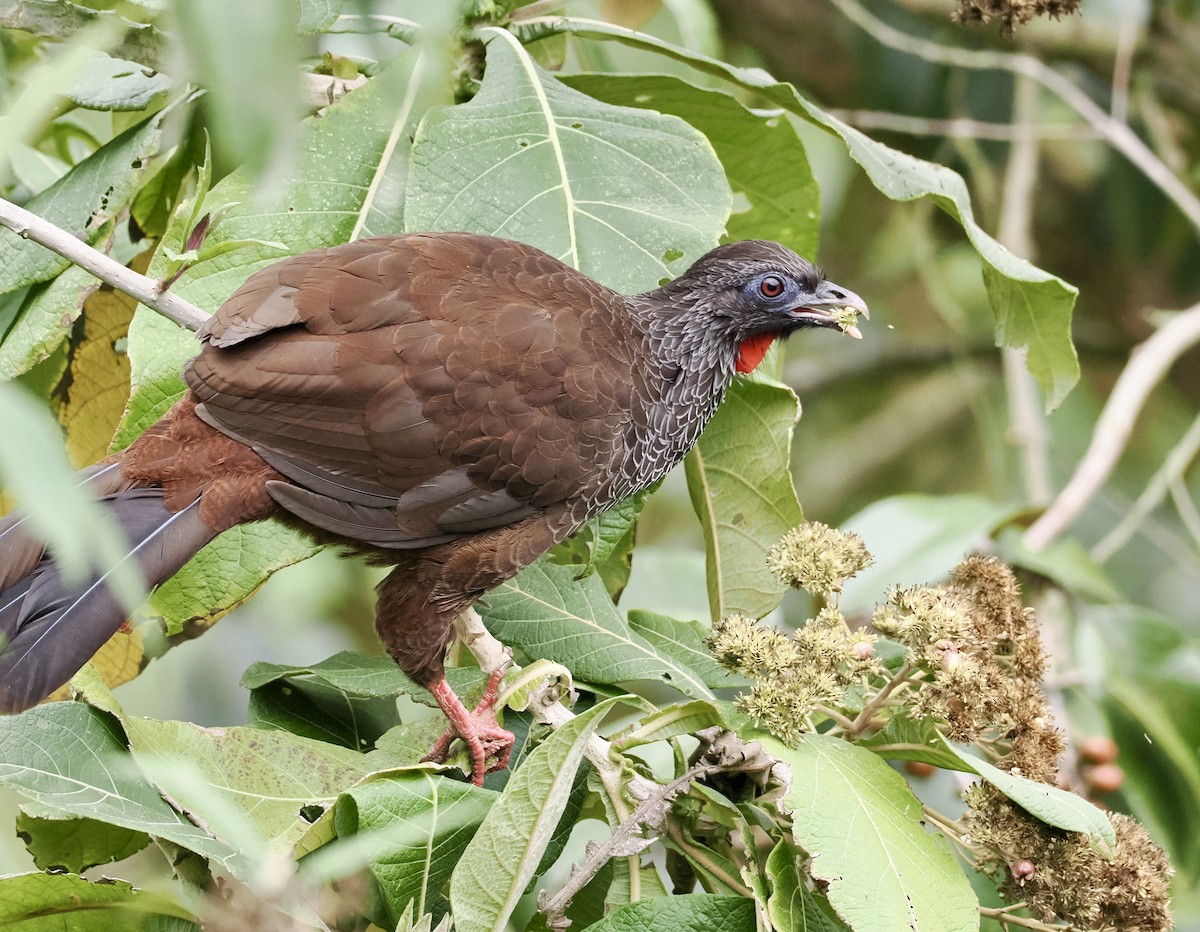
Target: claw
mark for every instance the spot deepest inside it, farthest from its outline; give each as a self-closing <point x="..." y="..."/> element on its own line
<point x="478" y="729"/>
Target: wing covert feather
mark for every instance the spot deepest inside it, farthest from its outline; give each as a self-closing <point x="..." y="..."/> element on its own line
<point x="453" y="374"/>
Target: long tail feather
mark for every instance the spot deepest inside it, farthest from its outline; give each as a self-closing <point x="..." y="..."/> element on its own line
<point x="48" y="630"/>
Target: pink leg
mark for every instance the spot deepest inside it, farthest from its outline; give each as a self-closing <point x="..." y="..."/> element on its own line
<point x="479" y="730"/>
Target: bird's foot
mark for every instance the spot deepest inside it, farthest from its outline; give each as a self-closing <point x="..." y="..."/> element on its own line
<point x="478" y="729"/>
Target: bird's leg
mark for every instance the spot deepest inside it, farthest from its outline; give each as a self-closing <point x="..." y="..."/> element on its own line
<point x="479" y="730"/>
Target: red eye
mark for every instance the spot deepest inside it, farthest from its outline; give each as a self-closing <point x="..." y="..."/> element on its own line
<point x="770" y="287"/>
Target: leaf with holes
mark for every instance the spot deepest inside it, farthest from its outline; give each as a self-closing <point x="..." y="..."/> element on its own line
<point x="627" y="196"/>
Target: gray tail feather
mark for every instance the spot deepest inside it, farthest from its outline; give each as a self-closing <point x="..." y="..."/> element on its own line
<point x="49" y="629"/>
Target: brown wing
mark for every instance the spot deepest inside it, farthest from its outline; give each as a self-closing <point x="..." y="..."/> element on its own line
<point x="417" y="389"/>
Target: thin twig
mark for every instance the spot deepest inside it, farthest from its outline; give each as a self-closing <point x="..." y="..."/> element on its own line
<point x="1005" y="918"/>
<point x="1120" y="136"/>
<point x="960" y="127"/>
<point x="146" y="290"/>
<point x="869" y="710"/>
<point x="1028" y="424"/>
<point x="1172" y="468"/>
<point x="1148" y="363"/>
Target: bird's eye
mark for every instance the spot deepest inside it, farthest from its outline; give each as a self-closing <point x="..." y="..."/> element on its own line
<point x="771" y="287"/>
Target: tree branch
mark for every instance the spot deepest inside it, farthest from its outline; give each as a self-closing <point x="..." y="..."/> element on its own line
<point x="959" y="127"/>
<point x="1120" y="136"/>
<point x="1148" y="363"/>
<point x="146" y="290"/>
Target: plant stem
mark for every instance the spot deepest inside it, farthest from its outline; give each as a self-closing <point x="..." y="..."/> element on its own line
<point x="864" y="717"/>
<point x="1005" y="918"/>
<point x="146" y="290"/>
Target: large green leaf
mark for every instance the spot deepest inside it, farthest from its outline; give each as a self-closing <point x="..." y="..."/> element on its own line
<point x="775" y="194"/>
<point x="68" y="902"/>
<point x="81" y="202"/>
<point x="46" y="317"/>
<point x="687" y="913"/>
<point x="502" y="858"/>
<point x="412" y="828"/>
<point x="548" y="612"/>
<point x="683" y="641"/>
<point x="77" y="843"/>
<point x="264" y="778"/>
<point x="72" y="758"/>
<point x="1053" y="806"/>
<point x="107" y="83"/>
<point x="625" y="195"/>
<point x="1032" y="307"/>
<point x="861" y="825"/>
<point x="742" y="491"/>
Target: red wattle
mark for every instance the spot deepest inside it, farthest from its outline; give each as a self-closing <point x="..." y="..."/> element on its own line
<point x="752" y="350"/>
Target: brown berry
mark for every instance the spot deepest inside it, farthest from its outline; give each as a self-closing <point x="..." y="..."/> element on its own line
<point x="1104" y="778"/>
<point x="1022" y="870"/>
<point x="1098" y="749"/>
<point x="918" y="768"/>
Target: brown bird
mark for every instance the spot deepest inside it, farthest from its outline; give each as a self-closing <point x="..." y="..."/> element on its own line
<point x="449" y="403"/>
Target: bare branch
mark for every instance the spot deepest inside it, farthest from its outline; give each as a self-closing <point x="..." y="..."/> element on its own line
<point x="1163" y="481"/>
<point x="1120" y="136"/>
<point x="146" y="290"/>
<point x="959" y="127"/>
<point x="1148" y="363"/>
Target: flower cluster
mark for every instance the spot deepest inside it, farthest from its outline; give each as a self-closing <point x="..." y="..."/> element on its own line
<point x="815" y="557"/>
<point x="1012" y="13"/>
<point x="794" y="676"/>
<point x="1068" y="876"/>
<point x="980" y="651"/>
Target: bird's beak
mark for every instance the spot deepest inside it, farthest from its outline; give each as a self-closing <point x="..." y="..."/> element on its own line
<point x="836" y="308"/>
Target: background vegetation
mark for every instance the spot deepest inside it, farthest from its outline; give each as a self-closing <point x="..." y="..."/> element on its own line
<point x="1063" y="451"/>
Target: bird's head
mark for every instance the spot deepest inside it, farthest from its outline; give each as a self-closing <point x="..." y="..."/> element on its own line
<point x="751" y="293"/>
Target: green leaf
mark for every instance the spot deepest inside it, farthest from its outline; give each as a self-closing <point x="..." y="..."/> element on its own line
<point x="1032" y="307"/>
<point x="918" y="539"/>
<point x="68" y="902"/>
<point x="683" y="718"/>
<point x="106" y="83"/>
<point x="318" y="15"/>
<point x="1048" y="803"/>
<point x="46" y="318"/>
<point x="792" y="907"/>
<point x="72" y="758"/>
<point x="501" y="859"/>
<point x="861" y="825"/>
<point x="548" y="613"/>
<point x="75" y="844"/>
<point x="410" y="829"/>
<point x="685" y="913"/>
<point x="775" y="194"/>
<point x="612" y="191"/>
<point x="904" y="738"/>
<point x="742" y="492"/>
<point x="81" y="202"/>
<point x="683" y="642"/>
<point x="313" y="709"/>
<point x="1066" y="561"/>
<point x="264" y="778"/>
<point x="225" y="573"/>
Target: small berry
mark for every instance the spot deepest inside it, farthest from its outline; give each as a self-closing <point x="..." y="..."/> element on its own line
<point x="1104" y="778"/>
<point x="1098" y="749"/>
<point x="919" y="769"/>
<point x="1022" y="870"/>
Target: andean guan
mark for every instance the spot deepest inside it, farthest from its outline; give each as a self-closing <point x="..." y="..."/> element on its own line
<point x="450" y="403"/>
